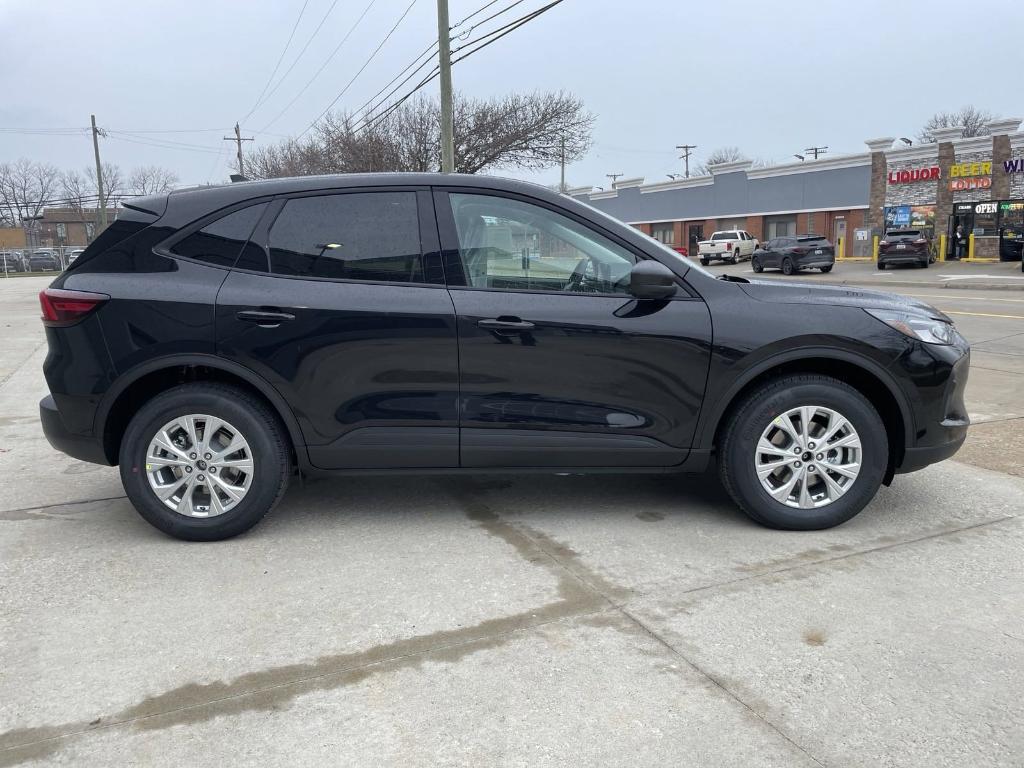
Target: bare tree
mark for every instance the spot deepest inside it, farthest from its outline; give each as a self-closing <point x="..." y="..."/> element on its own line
<point x="972" y="119"/>
<point x="720" y="155"/>
<point x="524" y="131"/>
<point x="113" y="184"/>
<point x="78" y="190"/>
<point x="151" y="180"/>
<point x="26" y="187"/>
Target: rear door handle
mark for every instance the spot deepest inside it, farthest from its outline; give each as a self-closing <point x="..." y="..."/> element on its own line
<point x="511" y="324"/>
<point x="264" y="318"/>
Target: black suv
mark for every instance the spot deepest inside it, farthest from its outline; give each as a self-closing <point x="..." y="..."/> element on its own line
<point x="212" y="341"/>
<point x="794" y="253"/>
<point x="905" y="246"/>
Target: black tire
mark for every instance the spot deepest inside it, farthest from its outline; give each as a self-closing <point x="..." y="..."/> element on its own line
<point x="787" y="266"/>
<point x="732" y="259"/>
<point x="751" y="416"/>
<point x="924" y="264"/>
<point x="827" y="269"/>
<point x="881" y="265"/>
<point x="705" y="262"/>
<point x="755" y="264"/>
<point x="261" y="428"/>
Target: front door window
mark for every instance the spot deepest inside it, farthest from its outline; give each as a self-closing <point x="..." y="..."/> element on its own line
<point x="510" y="245"/>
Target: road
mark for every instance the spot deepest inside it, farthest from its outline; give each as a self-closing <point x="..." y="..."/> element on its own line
<point x="531" y="621"/>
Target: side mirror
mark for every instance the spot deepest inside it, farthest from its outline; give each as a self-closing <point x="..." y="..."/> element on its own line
<point x="651" y="280"/>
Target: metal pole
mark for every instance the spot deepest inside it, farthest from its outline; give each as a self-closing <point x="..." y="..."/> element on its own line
<point x="561" y="187"/>
<point x="238" y="142"/>
<point x="99" y="173"/>
<point x="445" y="64"/>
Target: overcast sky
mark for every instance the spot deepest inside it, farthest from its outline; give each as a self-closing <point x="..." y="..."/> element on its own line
<point x="771" y="78"/>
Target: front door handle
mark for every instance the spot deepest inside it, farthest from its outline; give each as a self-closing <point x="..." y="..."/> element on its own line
<point x="264" y="318"/>
<point x="503" y="323"/>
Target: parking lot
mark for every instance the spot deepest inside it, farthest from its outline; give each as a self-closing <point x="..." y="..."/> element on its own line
<point x="609" y="620"/>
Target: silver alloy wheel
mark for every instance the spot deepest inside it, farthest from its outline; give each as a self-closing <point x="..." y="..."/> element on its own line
<point x="808" y="457"/>
<point x="199" y="465"/>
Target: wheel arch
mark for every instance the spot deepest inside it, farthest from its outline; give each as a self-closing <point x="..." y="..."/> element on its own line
<point x="864" y="375"/>
<point x="149" y="379"/>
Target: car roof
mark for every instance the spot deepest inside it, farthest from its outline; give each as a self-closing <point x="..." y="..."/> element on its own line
<point x="183" y="205"/>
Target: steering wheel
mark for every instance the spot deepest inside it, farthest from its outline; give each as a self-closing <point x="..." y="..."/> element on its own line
<point x="578" y="278"/>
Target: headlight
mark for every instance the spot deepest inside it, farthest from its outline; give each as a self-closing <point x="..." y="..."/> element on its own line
<point x="920" y="327"/>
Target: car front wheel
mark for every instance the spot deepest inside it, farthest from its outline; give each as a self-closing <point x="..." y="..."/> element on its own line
<point x="755" y="264"/>
<point x="204" y="462"/>
<point x="803" y="452"/>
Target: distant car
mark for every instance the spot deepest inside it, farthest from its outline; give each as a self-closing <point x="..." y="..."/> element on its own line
<point x="72" y="255"/>
<point x="729" y="245"/>
<point x="10" y="261"/>
<point x="792" y="254"/>
<point x="43" y="261"/>
<point x="905" y="246"/>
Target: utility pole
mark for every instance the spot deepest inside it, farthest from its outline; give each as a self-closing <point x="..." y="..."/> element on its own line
<point x="561" y="187"/>
<point x="613" y="177"/>
<point x="816" y="151"/>
<point x="444" y="55"/>
<point x="238" y="139"/>
<point x="99" y="172"/>
<point x="685" y="157"/>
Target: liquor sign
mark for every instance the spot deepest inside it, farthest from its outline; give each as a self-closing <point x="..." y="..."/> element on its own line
<point x="912" y="175"/>
<point x="975" y="182"/>
<point x="967" y="176"/>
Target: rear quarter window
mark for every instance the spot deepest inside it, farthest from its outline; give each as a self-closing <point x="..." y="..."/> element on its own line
<point x="221" y="242"/>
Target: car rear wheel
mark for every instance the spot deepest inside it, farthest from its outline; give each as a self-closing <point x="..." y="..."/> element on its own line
<point x="755" y="264"/>
<point x="803" y="452"/>
<point x="827" y="268"/>
<point x="204" y="462"/>
<point x="881" y="265"/>
<point x="924" y="264"/>
<point x="787" y="266"/>
<point x="705" y="262"/>
<point x="731" y="259"/>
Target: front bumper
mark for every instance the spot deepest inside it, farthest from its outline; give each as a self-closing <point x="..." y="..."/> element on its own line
<point x="943" y="426"/>
<point x="81" y="447"/>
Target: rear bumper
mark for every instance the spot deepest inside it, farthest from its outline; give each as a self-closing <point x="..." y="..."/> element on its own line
<point x="903" y="257"/>
<point x="81" y="447"/>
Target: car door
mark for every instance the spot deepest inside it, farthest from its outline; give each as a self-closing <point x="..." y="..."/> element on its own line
<point x="339" y="303"/>
<point x="771" y="255"/>
<point x="559" y="365"/>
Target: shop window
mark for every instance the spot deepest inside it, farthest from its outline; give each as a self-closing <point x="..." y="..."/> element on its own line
<point x="729" y="224"/>
<point x="810" y="223"/>
<point x="664" y="233"/>
<point x="985" y="215"/>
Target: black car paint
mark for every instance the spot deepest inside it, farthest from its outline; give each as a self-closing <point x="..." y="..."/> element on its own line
<point x="384" y="376"/>
<point x="771" y="255"/>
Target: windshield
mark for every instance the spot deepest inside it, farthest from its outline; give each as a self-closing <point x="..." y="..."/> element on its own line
<point x="671" y="255"/>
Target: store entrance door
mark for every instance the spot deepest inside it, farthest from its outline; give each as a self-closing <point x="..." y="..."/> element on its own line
<point x="695" y="233"/>
<point x="839" y="232"/>
<point x="956" y="247"/>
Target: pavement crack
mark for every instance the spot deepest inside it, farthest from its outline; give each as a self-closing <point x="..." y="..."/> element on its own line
<point x="23" y="363"/>
<point x="41" y="512"/>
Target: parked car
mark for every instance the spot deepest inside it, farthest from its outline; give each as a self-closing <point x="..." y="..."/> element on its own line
<point x="10" y="261"/>
<point x="905" y="246"/>
<point x="792" y="254"/>
<point x="74" y="254"/>
<point x="383" y="323"/>
<point x="731" y="246"/>
<point x="43" y="261"/>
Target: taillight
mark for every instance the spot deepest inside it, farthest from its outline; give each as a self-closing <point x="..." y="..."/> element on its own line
<point x="62" y="308"/>
<point x="728" y="246"/>
<point x="799" y="251"/>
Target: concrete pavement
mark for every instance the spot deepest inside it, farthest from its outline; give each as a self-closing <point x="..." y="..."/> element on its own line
<point x="513" y="621"/>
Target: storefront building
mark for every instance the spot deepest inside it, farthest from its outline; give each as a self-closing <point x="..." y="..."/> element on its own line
<point x="976" y="184"/>
<point x="965" y="194"/>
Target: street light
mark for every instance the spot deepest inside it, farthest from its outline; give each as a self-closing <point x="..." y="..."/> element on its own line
<point x="674" y="176"/>
<point x="799" y="157"/>
<point x="908" y="142"/>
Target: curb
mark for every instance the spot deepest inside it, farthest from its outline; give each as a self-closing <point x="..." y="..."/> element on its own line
<point x="952" y="285"/>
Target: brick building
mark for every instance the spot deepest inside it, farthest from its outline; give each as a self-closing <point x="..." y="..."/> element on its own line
<point x="974" y="183"/>
<point x="71" y="227"/>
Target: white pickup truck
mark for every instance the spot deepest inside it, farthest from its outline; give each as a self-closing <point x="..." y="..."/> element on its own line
<point x="730" y="245"/>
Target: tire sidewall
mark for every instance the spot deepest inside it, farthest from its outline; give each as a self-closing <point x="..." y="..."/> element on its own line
<point x="756" y="418"/>
<point x="269" y="467"/>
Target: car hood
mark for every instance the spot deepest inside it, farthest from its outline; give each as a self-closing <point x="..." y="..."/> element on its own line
<point x="784" y="292"/>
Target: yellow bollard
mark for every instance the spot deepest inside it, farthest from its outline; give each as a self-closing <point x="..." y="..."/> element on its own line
<point x="874" y="248"/>
<point x="970" y="247"/>
<point x="839" y="247"/>
<point x="942" y="247"/>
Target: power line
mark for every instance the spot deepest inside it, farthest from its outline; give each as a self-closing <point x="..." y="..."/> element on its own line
<point x="506" y="29"/>
<point x="163" y="145"/>
<point x="368" y="115"/>
<point x="297" y="58"/>
<point x="356" y="75"/>
<point x="469" y="31"/>
<point x="277" y="66"/>
<point x="322" y="66"/>
<point x="481" y="9"/>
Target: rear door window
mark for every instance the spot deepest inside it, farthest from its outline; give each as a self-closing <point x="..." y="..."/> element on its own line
<point x="371" y="236"/>
<point x="220" y="242"/>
